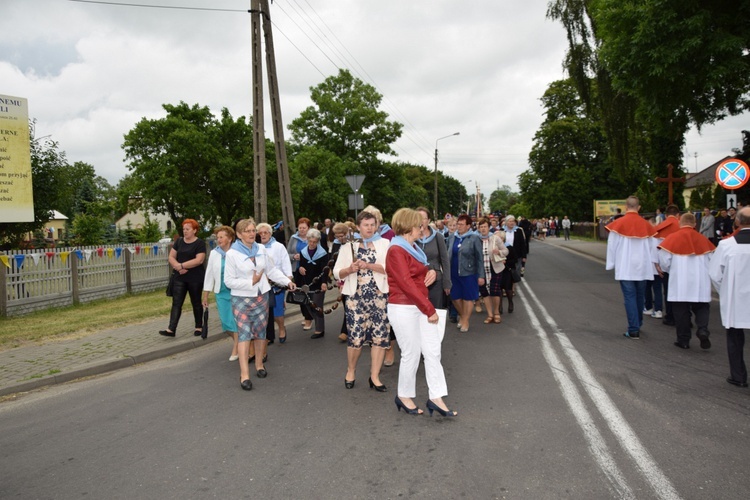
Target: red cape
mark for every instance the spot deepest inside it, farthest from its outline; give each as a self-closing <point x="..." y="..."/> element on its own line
<point x="687" y="241"/>
<point x="632" y="225"/>
<point x="670" y="225"/>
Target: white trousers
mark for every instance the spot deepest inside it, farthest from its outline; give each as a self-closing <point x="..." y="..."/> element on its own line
<point x="417" y="337"/>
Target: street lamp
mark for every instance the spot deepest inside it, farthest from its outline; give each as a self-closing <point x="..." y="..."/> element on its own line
<point x="435" y="214"/>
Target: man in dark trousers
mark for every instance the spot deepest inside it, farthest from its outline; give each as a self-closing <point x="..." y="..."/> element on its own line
<point x="729" y="269"/>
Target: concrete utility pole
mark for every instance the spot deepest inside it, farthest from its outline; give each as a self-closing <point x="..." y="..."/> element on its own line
<point x="260" y="8"/>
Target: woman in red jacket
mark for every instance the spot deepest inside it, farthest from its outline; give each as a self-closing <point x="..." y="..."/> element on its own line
<point x="412" y="316"/>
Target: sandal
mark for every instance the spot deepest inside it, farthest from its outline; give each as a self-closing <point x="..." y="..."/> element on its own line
<point x="498" y="319"/>
<point x="488" y="320"/>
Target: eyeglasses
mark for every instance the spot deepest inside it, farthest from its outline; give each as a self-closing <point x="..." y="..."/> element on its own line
<point x="249" y="230"/>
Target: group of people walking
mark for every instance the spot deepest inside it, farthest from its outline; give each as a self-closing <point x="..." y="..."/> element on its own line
<point x="393" y="281"/>
<point x="686" y="262"/>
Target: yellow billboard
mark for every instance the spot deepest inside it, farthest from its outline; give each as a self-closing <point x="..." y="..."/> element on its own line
<point x="16" y="193"/>
<point x="604" y="209"/>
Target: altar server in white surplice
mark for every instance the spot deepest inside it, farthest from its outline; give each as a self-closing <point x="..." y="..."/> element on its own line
<point x="685" y="255"/>
<point x="729" y="271"/>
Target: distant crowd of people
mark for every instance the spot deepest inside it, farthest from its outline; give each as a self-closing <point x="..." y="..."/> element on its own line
<point x="393" y="280"/>
<point x="667" y="265"/>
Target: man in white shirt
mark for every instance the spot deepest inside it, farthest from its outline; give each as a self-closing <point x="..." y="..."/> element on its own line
<point x="685" y="255"/>
<point x="631" y="253"/>
<point x="729" y="271"/>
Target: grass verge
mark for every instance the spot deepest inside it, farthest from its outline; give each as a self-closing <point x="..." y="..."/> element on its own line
<point x="82" y="320"/>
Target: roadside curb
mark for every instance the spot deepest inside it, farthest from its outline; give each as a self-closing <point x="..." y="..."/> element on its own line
<point x="127" y="361"/>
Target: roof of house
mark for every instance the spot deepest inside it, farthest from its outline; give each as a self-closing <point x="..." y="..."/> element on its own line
<point x="705" y="176"/>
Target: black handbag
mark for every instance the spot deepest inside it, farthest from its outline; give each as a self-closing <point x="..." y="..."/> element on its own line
<point x="297" y="297"/>
<point x="170" y="285"/>
<point x="515" y="275"/>
<point x="204" y="328"/>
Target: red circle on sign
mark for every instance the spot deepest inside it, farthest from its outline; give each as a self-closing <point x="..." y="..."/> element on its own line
<point x="732" y="173"/>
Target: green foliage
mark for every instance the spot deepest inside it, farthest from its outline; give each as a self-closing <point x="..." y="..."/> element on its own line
<point x="319" y="188"/>
<point x="88" y="229"/>
<point x="149" y="232"/>
<point x="568" y="163"/>
<point x="502" y="199"/>
<point x="191" y="165"/>
<point x="345" y="120"/>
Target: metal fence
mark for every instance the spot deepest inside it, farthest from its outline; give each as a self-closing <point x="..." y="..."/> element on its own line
<point x="32" y="280"/>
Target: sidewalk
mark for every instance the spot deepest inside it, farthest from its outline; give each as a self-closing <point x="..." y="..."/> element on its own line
<point x="33" y="366"/>
<point x="57" y="361"/>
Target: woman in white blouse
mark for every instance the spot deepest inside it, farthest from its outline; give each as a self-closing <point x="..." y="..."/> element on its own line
<point x="247" y="265"/>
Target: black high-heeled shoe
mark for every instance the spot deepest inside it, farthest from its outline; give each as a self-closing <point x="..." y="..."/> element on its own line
<point x="433" y="407"/>
<point x="379" y="388"/>
<point x="349" y="384"/>
<point x="411" y="411"/>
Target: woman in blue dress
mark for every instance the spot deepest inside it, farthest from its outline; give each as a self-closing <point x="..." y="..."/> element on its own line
<point x="214" y="281"/>
<point x="467" y="269"/>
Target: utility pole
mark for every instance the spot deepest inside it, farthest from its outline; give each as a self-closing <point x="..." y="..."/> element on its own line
<point x="260" y="204"/>
<point x="260" y="8"/>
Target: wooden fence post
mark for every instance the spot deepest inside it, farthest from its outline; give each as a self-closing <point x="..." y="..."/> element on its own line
<point x="128" y="275"/>
<point x="3" y="291"/>
<point x="74" y="278"/>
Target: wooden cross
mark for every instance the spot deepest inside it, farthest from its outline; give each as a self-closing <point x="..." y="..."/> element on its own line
<point x="670" y="179"/>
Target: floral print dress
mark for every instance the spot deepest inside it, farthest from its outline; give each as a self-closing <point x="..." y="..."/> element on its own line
<point x="366" y="309"/>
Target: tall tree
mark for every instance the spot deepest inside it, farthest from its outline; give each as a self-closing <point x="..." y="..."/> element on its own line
<point x="189" y="164"/>
<point x="345" y="120"/>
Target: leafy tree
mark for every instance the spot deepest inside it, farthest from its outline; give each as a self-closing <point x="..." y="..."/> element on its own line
<point x="47" y="164"/>
<point x="345" y="120"/>
<point x="568" y="161"/>
<point x="149" y="232"/>
<point x="502" y="199"/>
<point x="88" y="229"/>
<point x="189" y="164"/>
<point x="319" y="187"/>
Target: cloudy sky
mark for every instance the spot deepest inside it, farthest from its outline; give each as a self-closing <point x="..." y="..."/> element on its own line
<point x="91" y="71"/>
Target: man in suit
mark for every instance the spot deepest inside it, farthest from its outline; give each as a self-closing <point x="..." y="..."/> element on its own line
<point x="729" y="269"/>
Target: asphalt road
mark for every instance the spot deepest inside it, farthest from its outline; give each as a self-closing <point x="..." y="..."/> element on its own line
<point x="553" y="403"/>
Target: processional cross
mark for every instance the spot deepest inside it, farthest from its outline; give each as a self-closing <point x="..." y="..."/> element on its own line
<point x="671" y="180"/>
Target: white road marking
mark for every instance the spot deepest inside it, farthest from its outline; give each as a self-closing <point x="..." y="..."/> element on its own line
<point x="611" y="414"/>
<point x="596" y="443"/>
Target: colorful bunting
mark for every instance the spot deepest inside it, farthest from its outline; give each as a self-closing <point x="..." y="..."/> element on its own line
<point x="4" y="260"/>
<point x="64" y="256"/>
<point x="118" y="252"/>
<point x="111" y="252"/>
<point x="35" y="257"/>
<point x="19" y="260"/>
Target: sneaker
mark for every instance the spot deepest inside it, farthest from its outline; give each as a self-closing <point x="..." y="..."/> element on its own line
<point x="634" y="335"/>
<point x="657" y="315"/>
<point x="648" y="311"/>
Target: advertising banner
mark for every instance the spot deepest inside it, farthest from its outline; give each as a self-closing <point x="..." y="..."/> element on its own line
<point x="16" y="194"/>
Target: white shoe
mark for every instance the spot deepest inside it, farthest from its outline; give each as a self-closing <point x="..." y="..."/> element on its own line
<point x="233" y="358"/>
<point x="657" y="315"/>
<point x="648" y="311"/>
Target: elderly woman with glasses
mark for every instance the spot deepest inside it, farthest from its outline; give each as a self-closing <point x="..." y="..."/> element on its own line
<point x="467" y="269"/>
<point x="248" y="268"/>
<point x="313" y="273"/>
<point x="278" y="254"/>
<point x="361" y="264"/>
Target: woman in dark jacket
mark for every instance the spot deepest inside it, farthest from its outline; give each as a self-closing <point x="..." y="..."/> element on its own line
<point x="313" y="272"/>
<point x="515" y="241"/>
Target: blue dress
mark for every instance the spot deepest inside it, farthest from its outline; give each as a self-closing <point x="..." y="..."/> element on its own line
<point x="224" y="304"/>
<point x="462" y="287"/>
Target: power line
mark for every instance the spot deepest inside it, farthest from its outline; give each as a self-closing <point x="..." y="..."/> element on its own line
<point x="173" y="7"/>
